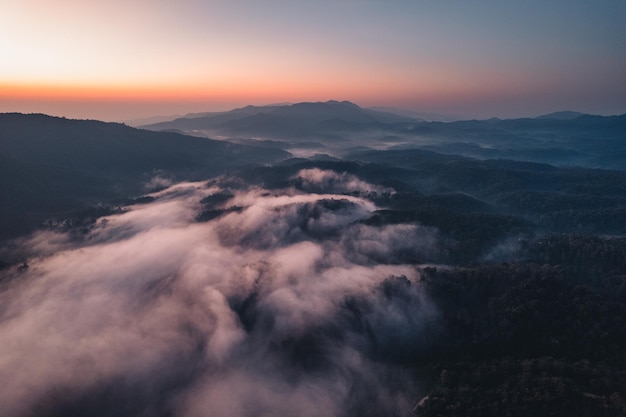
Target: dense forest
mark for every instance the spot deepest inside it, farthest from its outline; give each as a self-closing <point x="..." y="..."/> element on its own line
<point x="532" y="298"/>
<point x="499" y="288"/>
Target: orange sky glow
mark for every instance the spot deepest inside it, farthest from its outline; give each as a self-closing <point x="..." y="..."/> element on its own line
<point x="118" y="61"/>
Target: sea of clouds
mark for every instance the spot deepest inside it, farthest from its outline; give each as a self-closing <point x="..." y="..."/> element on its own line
<point x="279" y="302"/>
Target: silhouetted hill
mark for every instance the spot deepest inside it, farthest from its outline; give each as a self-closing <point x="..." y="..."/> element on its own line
<point x="561" y="138"/>
<point x="344" y="110"/>
<point x="561" y="115"/>
<point x="421" y="116"/>
<point x="589" y="141"/>
<point x="286" y="121"/>
<point x="149" y="120"/>
<point x="51" y="163"/>
<point x="203" y="121"/>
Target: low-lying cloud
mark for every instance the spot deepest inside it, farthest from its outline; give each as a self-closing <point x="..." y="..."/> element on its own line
<point x="315" y="179"/>
<point x="282" y="303"/>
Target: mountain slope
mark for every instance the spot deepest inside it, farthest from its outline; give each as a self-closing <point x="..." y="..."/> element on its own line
<point x="561" y="115"/>
<point x="51" y="164"/>
<point x="561" y="138"/>
<point x="300" y="120"/>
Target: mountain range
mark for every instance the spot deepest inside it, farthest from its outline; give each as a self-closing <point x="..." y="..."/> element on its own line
<point x="364" y="262"/>
<point x="54" y="165"/>
<point x="336" y="128"/>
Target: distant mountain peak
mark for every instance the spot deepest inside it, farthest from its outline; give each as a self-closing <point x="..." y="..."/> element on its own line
<point x="561" y="115"/>
<point x="329" y="103"/>
<point x="343" y="103"/>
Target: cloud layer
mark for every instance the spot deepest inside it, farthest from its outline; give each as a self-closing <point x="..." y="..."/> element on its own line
<point x="282" y="303"/>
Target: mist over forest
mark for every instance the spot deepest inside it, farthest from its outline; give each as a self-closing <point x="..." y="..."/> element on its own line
<point x="313" y="259"/>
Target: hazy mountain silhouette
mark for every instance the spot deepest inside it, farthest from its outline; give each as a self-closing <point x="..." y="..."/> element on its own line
<point x="422" y="116"/>
<point x="561" y="138"/>
<point x="200" y="121"/>
<point x="590" y="141"/>
<point x="286" y="121"/>
<point x="149" y="120"/>
<point x="561" y="115"/>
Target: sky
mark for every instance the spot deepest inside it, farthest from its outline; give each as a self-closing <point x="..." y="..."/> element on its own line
<point x="118" y="60"/>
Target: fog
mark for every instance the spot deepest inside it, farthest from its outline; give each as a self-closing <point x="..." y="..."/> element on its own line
<point x="274" y="306"/>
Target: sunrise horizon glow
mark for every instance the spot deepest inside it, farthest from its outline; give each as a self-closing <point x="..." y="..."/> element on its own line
<point x="115" y="62"/>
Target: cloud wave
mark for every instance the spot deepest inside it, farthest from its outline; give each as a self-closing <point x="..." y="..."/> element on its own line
<point x="282" y="303"/>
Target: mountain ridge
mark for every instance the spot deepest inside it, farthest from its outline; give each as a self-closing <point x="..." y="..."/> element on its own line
<point x="560" y="138"/>
<point x="51" y="164"/>
<point x="562" y="115"/>
<point x="309" y="112"/>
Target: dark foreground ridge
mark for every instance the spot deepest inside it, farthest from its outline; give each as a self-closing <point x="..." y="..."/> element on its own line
<point x="51" y="166"/>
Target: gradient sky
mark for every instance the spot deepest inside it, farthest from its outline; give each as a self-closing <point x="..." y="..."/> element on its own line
<point x="119" y="60"/>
